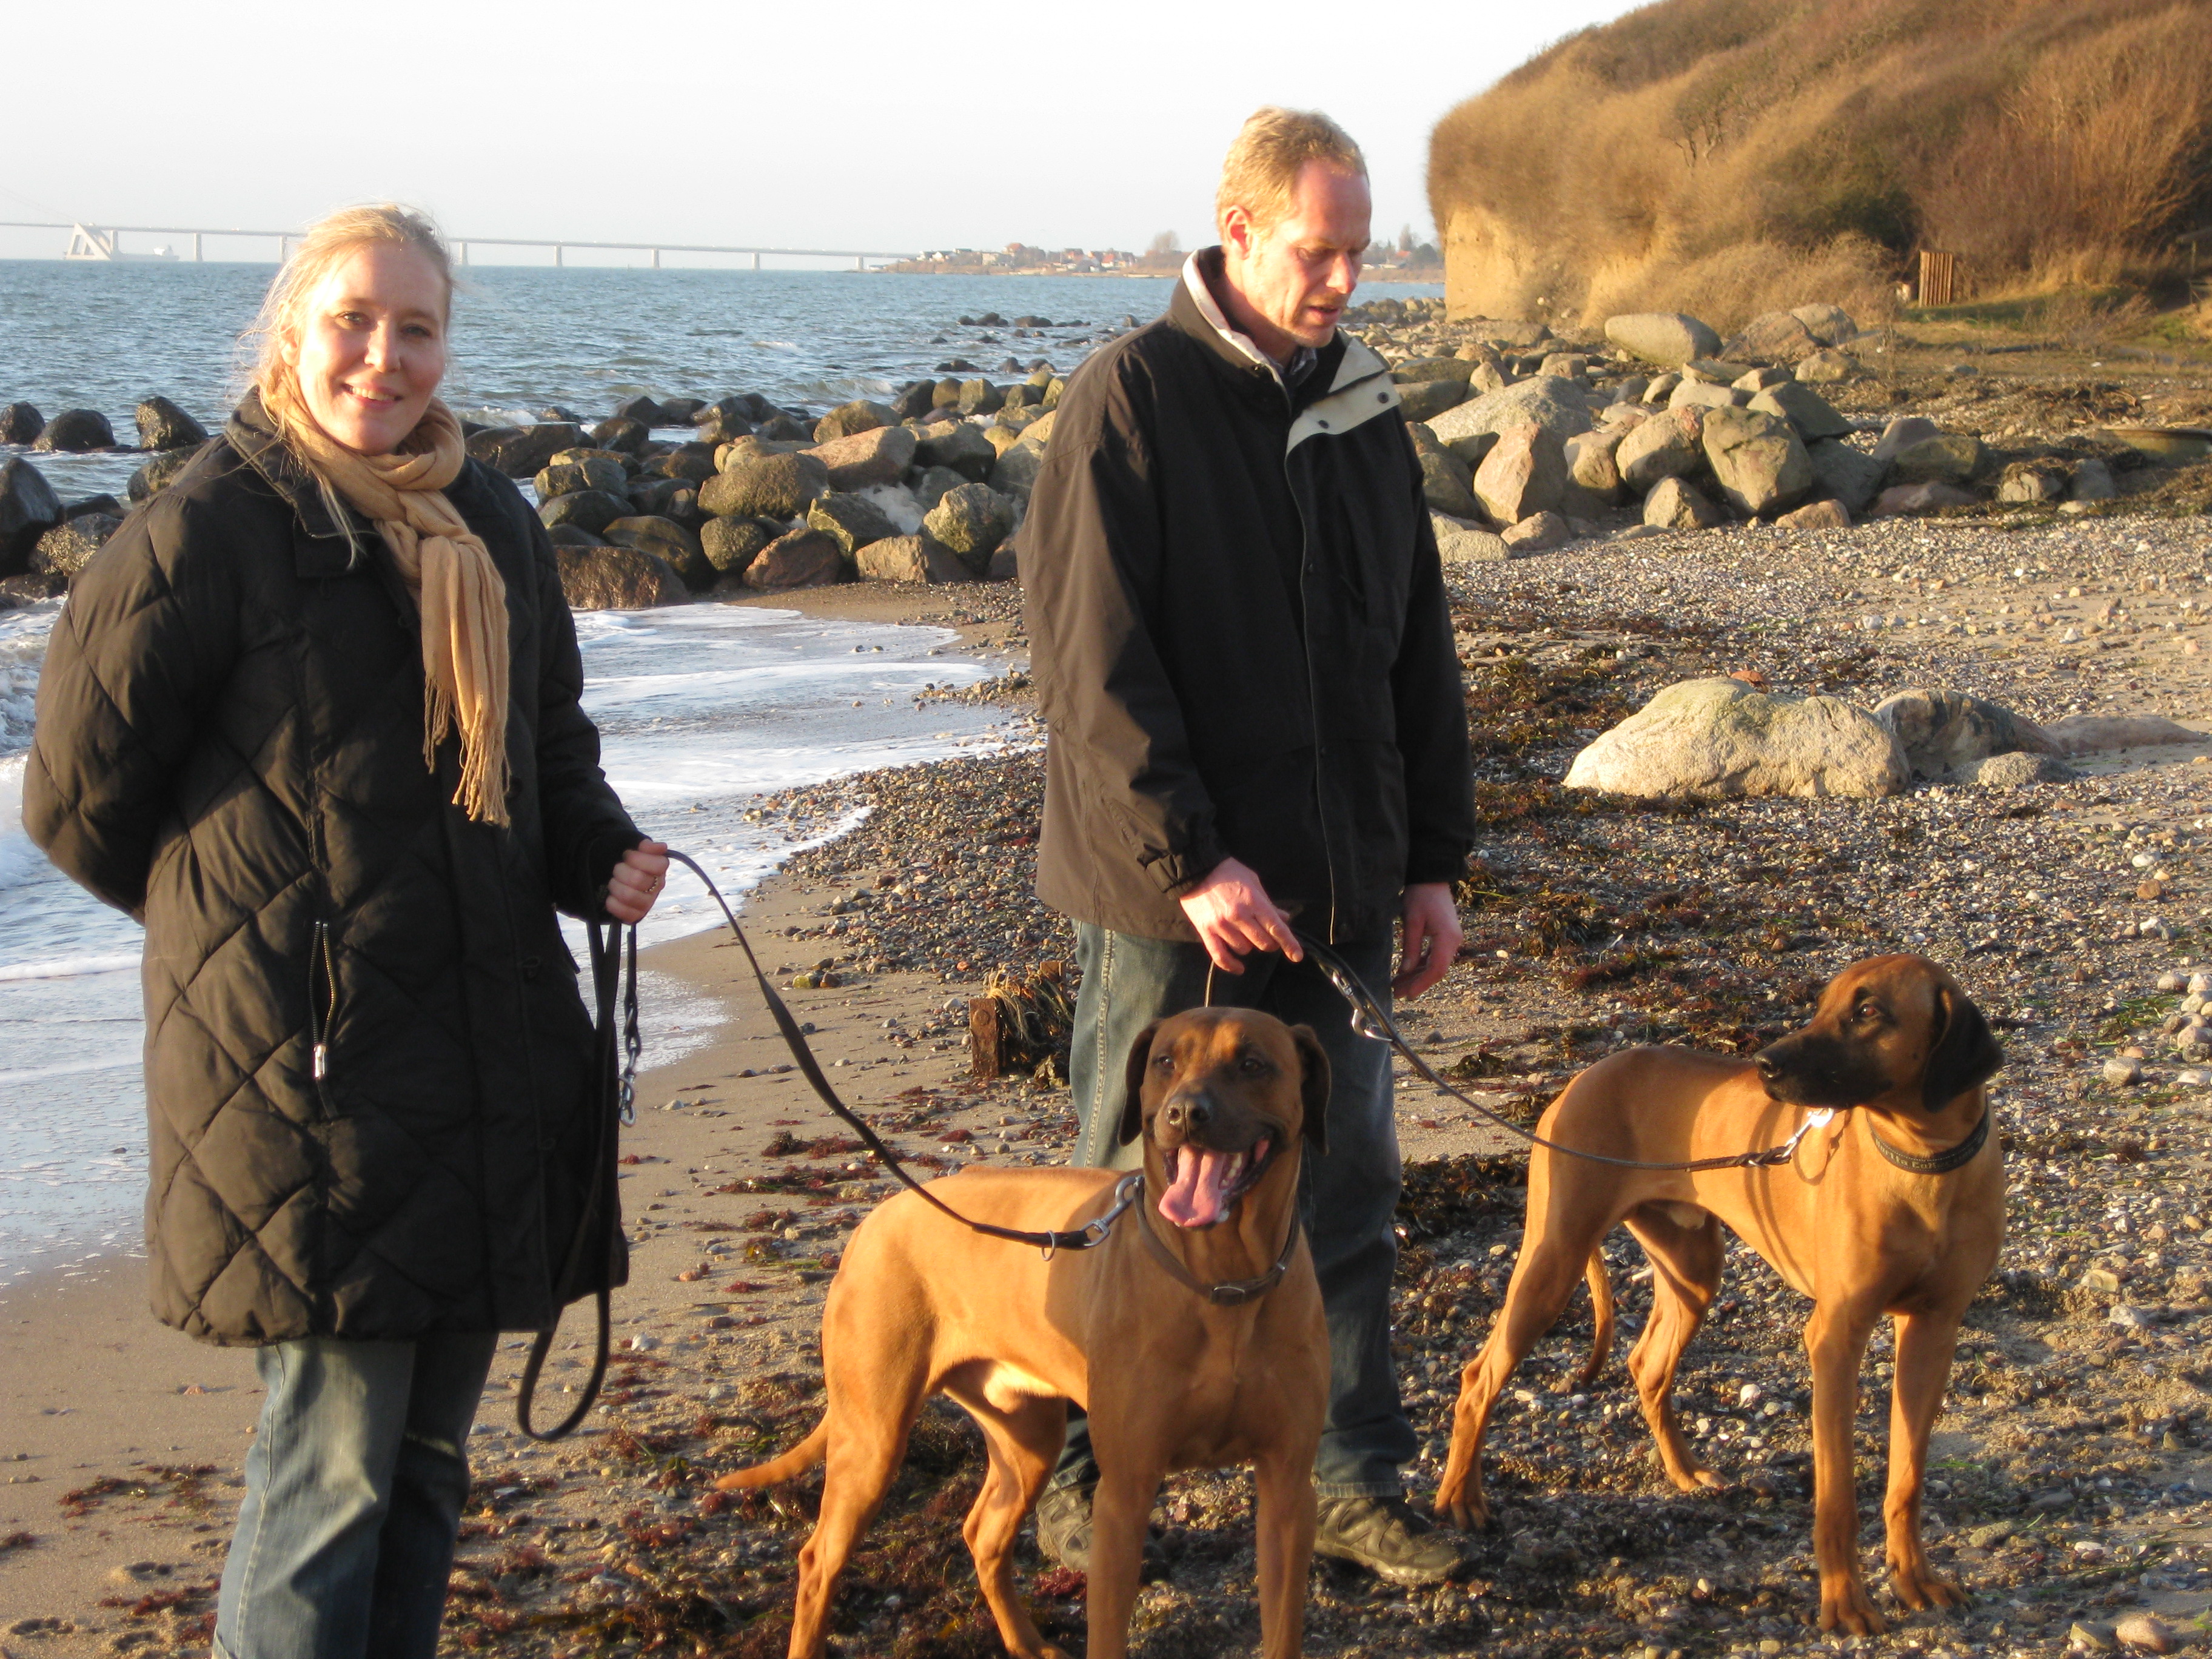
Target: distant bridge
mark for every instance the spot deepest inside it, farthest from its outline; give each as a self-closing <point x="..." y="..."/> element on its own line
<point x="104" y="242"/>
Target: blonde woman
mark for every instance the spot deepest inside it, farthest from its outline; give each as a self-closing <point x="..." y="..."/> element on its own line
<point x="312" y="716"/>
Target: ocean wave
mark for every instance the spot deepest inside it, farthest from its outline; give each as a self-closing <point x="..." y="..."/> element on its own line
<point x="70" y="967"/>
<point x="22" y="649"/>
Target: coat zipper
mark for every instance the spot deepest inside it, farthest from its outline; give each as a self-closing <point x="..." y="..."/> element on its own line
<point x="1313" y="683"/>
<point x="322" y="1018"/>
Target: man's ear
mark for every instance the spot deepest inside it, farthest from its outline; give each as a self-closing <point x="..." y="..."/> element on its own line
<point x="1313" y="1086"/>
<point x="1133" y="1095"/>
<point x="1967" y="1053"/>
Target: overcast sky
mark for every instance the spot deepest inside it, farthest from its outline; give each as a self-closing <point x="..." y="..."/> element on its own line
<point x="852" y="124"/>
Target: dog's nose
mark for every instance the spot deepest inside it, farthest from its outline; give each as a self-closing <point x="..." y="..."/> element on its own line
<point x="1188" y="1113"/>
<point x="1768" y="1070"/>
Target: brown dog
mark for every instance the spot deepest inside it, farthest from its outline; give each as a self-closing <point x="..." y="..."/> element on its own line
<point x="1895" y="1044"/>
<point x="1172" y="1377"/>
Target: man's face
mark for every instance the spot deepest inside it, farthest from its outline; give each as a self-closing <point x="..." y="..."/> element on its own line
<point x="1295" y="277"/>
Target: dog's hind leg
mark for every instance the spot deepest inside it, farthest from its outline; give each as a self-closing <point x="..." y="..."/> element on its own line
<point x="1925" y="1346"/>
<point x="1686" y="1271"/>
<point x="1553" y="1257"/>
<point x="1023" y="1440"/>
<point x="1600" y="1289"/>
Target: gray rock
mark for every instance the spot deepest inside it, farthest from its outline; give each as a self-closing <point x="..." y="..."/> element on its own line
<point x="2093" y="482"/>
<point x="912" y="559"/>
<point x="857" y="416"/>
<point x="1903" y="501"/>
<point x="645" y="411"/>
<point x="1828" y="367"/>
<point x="1668" y="446"/>
<point x="1458" y="542"/>
<point x="1813" y="415"/>
<point x="1773" y="336"/>
<point x="724" y="419"/>
<point x="616" y="579"/>
<point x="162" y="425"/>
<point x="587" y="509"/>
<point x="786" y="428"/>
<point x="731" y="544"/>
<point x="21" y="423"/>
<point x="1565" y="365"/>
<point x="75" y="431"/>
<point x="2015" y="771"/>
<point x="1674" y="504"/>
<point x="805" y="558"/>
<point x="621" y="435"/>
<point x="1900" y="435"/>
<point x="851" y="521"/>
<point x="28" y="508"/>
<point x="1942" y="732"/>
<point x="158" y="474"/>
<point x="521" y="451"/>
<point x="1553" y="405"/>
<point x="1848" y="475"/>
<point x="1448" y="484"/>
<point x="1760" y="380"/>
<point x="1831" y="514"/>
<point x="765" y="487"/>
<point x="1951" y="458"/>
<point x="958" y="446"/>
<point x="1537" y="533"/>
<point x="1016" y="474"/>
<point x="2030" y="482"/>
<point x="1592" y="468"/>
<point x="2122" y="1070"/>
<point x="1757" y="461"/>
<point x="63" y="550"/>
<point x="880" y="455"/>
<point x="682" y="411"/>
<point x="1662" y="388"/>
<point x="590" y="472"/>
<point x="668" y="541"/>
<point x="1663" y="337"/>
<point x="1830" y="324"/>
<point x="1720" y="737"/>
<point x="690" y="463"/>
<point x="1706" y="394"/>
<point x="930" y="483"/>
<point x="1428" y="399"/>
<point x="1419" y="371"/>
<point x="1524" y="474"/>
<point x="972" y="521"/>
<point x="980" y="397"/>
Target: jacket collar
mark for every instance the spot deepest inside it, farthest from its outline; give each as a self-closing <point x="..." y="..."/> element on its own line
<point x="1195" y="311"/>
<point x="324" y="544"/>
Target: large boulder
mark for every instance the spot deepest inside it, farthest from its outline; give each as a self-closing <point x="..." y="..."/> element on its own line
<point x="1902" y="434"/>
<point x="847" y="419"/>
<point x="731" y="544"/>
<point x="690" y="463"/>
<point x="972" y="521"/>
<point x="1943" y="731"/>
<point x="1828" y="367"/>
<point x="724" y="419"/>
<point x="805" y="558"/>
<point x="879" y="455"/>
<point x="620" y="435"/>
<point x="1016" y="474"/>
<point x="1706" y="394"/>
<point x="162" y="425"/>
<point x="28" y="508"/>
<point x="21" y="423"/>
<point x="1668" y="445"/>
<point x="1448" y="484"/>
<point x="958" y="446"/>
<point x="1458" y="542"/>
<point x="63" y="550"/>
<point x="521" y="451"/>
<point x="1845" y="474"/>
<point x="592" y="510"/>
<point x="1546" y="401"/>
<point x="668" y="541"/>
<point x="2093" y="481"/>
<point x="912" y="559"/>
<point x="2029" y="482"/>
<point x="851" y="521"/>
<point x="765" y="487"/>
<point x="1677" y="504"/>
<point x="1419" y="371"/>
<point x="1813" y="415"/>
<point x="1757" y="459"/>
<point x="1666" y="338"/>
<point x="1721" y="738"/>
<point x="1773" y="336"/>
<point x="1950" y="458"/>
<point x="980" y="397"/>
<point x="585" y="472"/>
<point x="1426" y="398"/>
<point x="646" y="412"/>
<point x="1830" y="324"/>
<point x="1826" y="514"/>
<point x="75" y="431"/>
<point x="1592" y="473"/>
<point x="158" y="474"/>
<point x="616" y="579"/>
<point x="1524" y="474"/>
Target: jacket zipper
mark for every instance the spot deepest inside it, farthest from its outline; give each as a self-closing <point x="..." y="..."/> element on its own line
<point x="322" y="1013"/>
<point x="1313" y="684"/>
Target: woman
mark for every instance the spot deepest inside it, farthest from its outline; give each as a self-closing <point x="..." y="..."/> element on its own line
<point x="312" y="715"/>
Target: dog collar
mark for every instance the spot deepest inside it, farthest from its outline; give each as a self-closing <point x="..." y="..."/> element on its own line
<point x="1941" y="1163"/>
<point x="1234" y="1293"/>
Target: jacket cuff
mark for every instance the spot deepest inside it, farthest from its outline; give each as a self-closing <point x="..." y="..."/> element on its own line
<point x="601" y="854"/>
<point x="1176" y="873"/>
<point x="1431" y="863"/>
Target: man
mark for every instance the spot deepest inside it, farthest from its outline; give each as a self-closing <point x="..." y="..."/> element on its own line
<point x="1243" y="653"/>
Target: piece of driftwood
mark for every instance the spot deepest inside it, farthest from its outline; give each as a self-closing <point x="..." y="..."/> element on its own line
<point x="1020" y="1024"/>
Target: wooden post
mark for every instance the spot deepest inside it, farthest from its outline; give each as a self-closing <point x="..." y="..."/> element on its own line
<point x="986" y="1040"/>
<point x="1939" y="278"/>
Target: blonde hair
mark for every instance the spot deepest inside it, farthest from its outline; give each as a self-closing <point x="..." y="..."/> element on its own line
<point x="328" y="240"/>
<point x="1260" y="172"/>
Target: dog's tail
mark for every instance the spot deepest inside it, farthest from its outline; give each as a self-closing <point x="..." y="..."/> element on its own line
<point x="1600" y="1289"/>
<point x="799" y="1458"/>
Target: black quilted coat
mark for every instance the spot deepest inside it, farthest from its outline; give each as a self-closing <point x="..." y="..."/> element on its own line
<point x="367" y="1062"/>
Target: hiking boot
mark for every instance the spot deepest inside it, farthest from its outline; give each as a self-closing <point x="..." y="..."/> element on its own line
<point x="1386" y="1535"/>
<point x="1063" y="1527"/>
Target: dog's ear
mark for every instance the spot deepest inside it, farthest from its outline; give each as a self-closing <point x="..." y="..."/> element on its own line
<point x="1133" y="1095"/>
<point x="1313" y="1087"/>
<point x="1967" y="1053"/>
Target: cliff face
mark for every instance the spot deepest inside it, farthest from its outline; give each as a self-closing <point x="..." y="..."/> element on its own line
<point x="1720" y="155"/>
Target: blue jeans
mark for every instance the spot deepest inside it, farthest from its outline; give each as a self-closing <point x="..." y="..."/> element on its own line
<point x="354" y="1488"/>
<point x="1348" y="1196"/>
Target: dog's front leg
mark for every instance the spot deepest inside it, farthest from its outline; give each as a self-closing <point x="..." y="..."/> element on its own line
<point x="1285" y="1548"/>
<point x="1836" y="1340"/>
<point x="1925" y="1345"/>
<point x="1121" y="1508"/>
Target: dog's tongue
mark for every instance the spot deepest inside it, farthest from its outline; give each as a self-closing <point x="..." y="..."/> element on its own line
<point x="1195" y="1198"/>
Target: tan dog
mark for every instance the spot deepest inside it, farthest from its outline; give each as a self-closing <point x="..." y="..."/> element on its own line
<point x="1894" y="1042"/>
<point x="1172" y="1379"/>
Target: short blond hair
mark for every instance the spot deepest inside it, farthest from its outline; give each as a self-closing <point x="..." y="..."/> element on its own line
<point x="1260" y="172"/>
<point x="328" y="240"/>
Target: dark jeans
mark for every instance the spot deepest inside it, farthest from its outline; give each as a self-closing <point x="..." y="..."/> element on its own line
<point x="1347" y="1196"/>
<point x="354" y="1488"/>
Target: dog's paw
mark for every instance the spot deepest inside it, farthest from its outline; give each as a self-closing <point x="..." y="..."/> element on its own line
<point x="1845" y="1606"/>
<point x="1470" y="1513"/>
<point x="1922" y="1590"/>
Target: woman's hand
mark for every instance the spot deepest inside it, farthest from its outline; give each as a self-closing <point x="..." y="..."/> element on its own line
<point x="637" y="882"/>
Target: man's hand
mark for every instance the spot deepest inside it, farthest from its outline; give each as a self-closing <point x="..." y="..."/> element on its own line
<point x="1233" y="914"/>
<point x="636" y="882"/>
<point x="1431" y="938"/>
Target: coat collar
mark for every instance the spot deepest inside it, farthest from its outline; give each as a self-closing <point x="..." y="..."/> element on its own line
<point x="1196" y="312"/>
<point x="324" y="543"/>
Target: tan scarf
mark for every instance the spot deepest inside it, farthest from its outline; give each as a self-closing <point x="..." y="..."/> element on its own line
<point x="445" y="566"/>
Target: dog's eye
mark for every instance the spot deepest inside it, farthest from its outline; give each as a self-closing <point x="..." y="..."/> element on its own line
<point x="1867" y="1012"/>
<point x="1251" y="1065"/>
<point x="1164" y="1063"/>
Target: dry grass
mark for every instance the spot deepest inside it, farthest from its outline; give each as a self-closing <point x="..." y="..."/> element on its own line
<point x="1731" y="155"/>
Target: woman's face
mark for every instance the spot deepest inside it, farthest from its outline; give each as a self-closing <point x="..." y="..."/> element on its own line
<point x="371" y="345"/>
